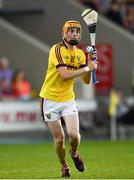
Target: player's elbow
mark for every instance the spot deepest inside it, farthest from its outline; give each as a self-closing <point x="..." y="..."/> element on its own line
<point x="86" y="82"/>
<point x="86" y="78"/>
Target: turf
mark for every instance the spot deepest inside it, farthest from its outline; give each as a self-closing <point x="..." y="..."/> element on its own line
<point x="103" y="160"/>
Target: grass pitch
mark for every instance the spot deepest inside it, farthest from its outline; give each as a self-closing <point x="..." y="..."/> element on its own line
<point x="103" y="160"/>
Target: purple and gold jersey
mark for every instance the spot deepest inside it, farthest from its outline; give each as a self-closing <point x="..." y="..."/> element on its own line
<point x="54" y="87"/>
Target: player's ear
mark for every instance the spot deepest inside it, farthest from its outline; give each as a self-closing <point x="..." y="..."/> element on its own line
<point x="63" y="35"/>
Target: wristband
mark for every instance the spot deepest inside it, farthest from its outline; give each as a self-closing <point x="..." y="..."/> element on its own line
<point x="86" y="69"/>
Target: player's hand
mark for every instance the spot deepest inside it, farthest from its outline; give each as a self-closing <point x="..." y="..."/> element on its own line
<point x="92" y="65"/>
<point x="93" y="55"/>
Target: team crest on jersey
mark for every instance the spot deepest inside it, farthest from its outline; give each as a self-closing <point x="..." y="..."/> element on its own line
<point x="78" y="57"/>
<point x="48" y="115"/>
<point x="66" y="57"/>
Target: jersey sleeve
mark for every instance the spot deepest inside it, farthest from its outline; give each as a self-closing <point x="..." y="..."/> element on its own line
<point x="56" y="56"/>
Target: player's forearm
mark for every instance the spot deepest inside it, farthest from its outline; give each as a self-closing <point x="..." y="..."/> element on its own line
<point x="86" y="77"/>
<point x="69" y="74"/>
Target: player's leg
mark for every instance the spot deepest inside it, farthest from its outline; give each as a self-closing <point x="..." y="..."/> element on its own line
<point x="72" y="125"/>
<point x="51" y="114"/>
<point x="59" y="138"/>
<point x="58" y="135"/>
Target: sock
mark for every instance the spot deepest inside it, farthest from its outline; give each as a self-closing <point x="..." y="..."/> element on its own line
<point x="73" y="153"/>
<point x="64" y="164"/>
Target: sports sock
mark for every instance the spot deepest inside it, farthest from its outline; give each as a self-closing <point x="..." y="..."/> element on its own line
<point x="73" y="153"/>
<point x="64" y="164"/>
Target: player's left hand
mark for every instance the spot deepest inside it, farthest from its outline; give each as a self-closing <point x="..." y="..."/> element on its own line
<point x="93" y="54"/>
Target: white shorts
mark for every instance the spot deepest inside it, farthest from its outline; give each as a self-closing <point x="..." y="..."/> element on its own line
<point x="52" y="110"/>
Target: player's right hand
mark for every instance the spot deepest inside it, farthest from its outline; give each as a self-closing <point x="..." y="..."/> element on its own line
<point x="92" y="65"/>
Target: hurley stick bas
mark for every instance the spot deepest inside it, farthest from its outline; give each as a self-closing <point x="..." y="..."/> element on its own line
<point x="90" y="17"/>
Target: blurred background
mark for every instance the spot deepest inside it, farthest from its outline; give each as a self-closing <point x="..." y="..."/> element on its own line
<point x="27" y="31"/>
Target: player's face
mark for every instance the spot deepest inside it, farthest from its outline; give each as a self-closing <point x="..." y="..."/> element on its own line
<point x="73" y="34"/>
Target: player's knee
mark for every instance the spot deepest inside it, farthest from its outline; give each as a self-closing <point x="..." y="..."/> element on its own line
<point x="60" y="139"/>
<point x="75" y="137"/>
